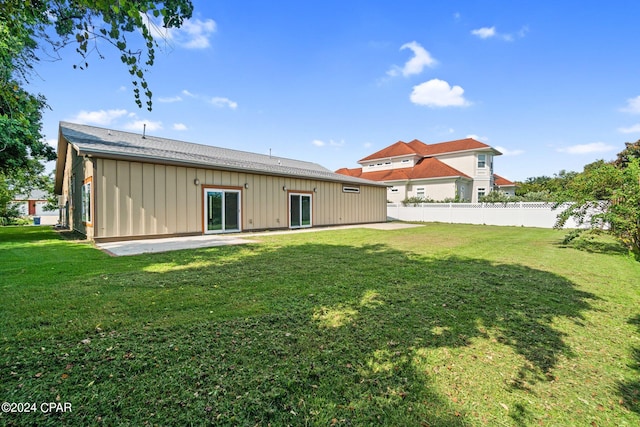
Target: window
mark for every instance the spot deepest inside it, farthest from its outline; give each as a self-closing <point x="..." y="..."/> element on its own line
<point x="405" y="161"/>
<point x="387" y="163"/>
<point x="86" y="201"/>
<point x="371" y="165"/>
<point x="350" y="189"/>
<point x="72" y="189"/>
<point x="482" y="160"/>
<point x="481" y="192"/>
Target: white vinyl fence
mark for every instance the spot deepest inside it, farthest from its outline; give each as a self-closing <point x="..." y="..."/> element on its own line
<point x="525" y="214"/>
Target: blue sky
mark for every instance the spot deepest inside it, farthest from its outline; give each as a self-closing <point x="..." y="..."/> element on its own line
<point x="552" y="84"/>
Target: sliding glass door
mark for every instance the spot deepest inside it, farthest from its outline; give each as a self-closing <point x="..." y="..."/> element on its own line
<point x="299" y="210"/>
<point x="221" y="210"/>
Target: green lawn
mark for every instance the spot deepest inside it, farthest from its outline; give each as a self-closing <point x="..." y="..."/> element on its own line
<point x="442" y="325"/>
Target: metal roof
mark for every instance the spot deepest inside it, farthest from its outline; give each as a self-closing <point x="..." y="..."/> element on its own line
<point x="109" y="143"/>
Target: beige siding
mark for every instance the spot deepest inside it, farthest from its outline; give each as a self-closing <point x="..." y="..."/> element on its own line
<point x="78" y="170"/>
<point x="137" y="199"/>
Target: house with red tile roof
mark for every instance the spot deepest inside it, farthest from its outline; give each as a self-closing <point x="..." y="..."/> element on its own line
<point x="460" y="169"/>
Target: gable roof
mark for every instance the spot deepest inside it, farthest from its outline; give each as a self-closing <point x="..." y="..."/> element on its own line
<point x="419" y="148"/>
<point x="114" y="144"/>
<point x="502" y="182"/>
<point x="427" y="168"/>
<point x="400" y="148"/>
<point x="457" y="145"/>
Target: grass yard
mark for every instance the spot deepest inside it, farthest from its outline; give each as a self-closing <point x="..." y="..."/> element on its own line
<point x="442" y="325"/>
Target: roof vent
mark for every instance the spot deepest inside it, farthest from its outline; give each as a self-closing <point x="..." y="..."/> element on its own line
<point x="144" y="130"/>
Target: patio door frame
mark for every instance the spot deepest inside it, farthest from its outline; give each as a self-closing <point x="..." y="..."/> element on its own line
<point x="223" y="211"/>
<point x="299" y="209"/>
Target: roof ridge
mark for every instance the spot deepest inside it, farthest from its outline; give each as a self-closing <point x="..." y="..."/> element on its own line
<point x="197" y="144"/>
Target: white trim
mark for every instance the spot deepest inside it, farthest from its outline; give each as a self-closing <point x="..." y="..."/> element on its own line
<point x="301" y="195"/>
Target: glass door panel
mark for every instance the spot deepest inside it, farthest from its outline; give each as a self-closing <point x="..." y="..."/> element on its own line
<point x="221" y="210"/>
<point x="295" y="210"/>
<point x="214" y="211"/>
<point x="231" y="211"/>
<point x="305" y="211"/>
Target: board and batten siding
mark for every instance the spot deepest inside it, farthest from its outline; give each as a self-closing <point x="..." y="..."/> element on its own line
<point x="145" y="199"/>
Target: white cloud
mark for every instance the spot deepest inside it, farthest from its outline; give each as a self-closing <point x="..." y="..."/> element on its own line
<point x="100" y="117"/>
<point x="421" y="58"/>
<point x="170" y="99"/>
<point x="594" y="147"/>
<point x="438" y="93"/>
<point x="484" y="32"/>
<point x="224" y="102"/>
<point x="179" y="126"/>
<point x="633" y="106"/>
<point x="490" y="32"/>
<point x="478" y="138"/>
<point x="187" y="93"/>
<point x="507" y="152"/>
<point x="331" y="143"/>
<point x="631" y="129"/>
<point x="193" y="34"/>
<point x="138" y="126"/>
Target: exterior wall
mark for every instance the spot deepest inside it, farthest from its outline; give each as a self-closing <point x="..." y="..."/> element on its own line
<point x="468" y="163"/>
<point x="78" y="170"/>
<point x="397" y="193"/>
<point x="145" y="199"/>
<point x="439" y="189"/>
<point x="486" y="183"/>
<point x="34" y="208"/>
<point x="464" y="162"/>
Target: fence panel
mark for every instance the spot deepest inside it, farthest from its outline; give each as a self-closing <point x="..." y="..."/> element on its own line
<point x="525" y="214"/>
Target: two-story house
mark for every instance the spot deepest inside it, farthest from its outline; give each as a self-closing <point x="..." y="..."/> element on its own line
<point x="460" y="169"/>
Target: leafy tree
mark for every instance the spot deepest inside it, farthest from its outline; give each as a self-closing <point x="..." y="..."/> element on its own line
<point x="631" y="151"/>
<point x="606" y="196"/>
<point x="86" y="22"/>
<point x="544" y="183"/>
<point x="31" y="26"/>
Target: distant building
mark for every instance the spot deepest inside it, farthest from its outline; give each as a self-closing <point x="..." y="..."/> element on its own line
<point x="504" y="185"/>
<point x="34" y="205"/>
<point x="461" y="169"/>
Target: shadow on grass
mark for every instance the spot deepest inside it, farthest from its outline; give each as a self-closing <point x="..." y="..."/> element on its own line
<point x="630" y="390"/>
<point x="594" y="241"/>
<point x="342" y="335"/>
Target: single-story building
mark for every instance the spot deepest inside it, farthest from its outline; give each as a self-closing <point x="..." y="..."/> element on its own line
<point x="34" y="204"/>
<point x="116" y="185"/>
